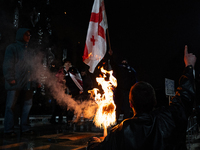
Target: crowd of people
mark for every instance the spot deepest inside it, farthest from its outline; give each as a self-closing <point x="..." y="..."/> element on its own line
<point x="20" y="84"/>
<point x="143" y="127"/>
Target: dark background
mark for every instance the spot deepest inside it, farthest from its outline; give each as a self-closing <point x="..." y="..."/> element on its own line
<point x="150" y="35"/>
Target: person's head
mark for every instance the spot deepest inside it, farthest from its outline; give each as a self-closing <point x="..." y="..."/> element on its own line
<point x="124" y="61"/>
<point x="67" y="64"/>
<point x="23" y="35"/>
<point x="27" y="36"/>
<point x="142" y="97"/>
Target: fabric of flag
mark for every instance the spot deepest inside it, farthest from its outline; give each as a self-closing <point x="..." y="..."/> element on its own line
<point x="95" y="46"/>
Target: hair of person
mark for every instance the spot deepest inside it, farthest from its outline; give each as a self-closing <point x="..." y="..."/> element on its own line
<point x="67" y="60"/>
<point x="142" y="97"/>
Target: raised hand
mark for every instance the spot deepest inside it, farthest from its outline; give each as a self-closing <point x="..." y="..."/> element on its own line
<point x="189" y="58"/>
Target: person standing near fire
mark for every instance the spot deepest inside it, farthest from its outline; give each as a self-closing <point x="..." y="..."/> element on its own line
<point x="73" y="79"/>
<point x="56" y="108"/>
<point x="74" y="84"/>
<point x="126" y="77"/>
<point x="18" y="82"/>
<point x="87" y="83"/>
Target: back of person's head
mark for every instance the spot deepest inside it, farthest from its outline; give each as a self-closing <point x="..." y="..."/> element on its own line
<point x="142" y="97"/>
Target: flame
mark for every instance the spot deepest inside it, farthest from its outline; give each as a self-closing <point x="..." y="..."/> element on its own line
<point x="106" y="114"/>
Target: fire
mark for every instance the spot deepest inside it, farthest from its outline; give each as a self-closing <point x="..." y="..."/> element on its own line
<point x="105" y="115"/>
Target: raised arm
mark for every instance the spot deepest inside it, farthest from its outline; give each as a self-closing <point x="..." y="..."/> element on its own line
<point x="185" y="92"/>
<point x="189" y="58"/>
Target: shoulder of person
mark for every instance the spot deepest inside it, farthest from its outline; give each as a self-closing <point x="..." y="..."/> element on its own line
<point x="120" y="126"/>
<point x="11" y="46"/>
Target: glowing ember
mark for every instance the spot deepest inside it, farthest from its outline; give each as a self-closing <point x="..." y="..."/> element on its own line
<point x="105" y="115"/>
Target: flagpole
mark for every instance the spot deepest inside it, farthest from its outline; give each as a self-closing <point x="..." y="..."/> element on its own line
<point x="109" y="65"/>
<point x="108" y="39"/>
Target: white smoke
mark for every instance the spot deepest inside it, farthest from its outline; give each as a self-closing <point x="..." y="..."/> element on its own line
<point x="86" y="108"/>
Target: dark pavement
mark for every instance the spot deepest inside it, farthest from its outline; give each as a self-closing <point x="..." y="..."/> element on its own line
<point x="52" y="136"/>
<point x="61" y="136"/>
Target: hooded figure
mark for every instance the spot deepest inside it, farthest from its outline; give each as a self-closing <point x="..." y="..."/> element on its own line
<point x="17" y="74"/>
<point x="15" y="65"/>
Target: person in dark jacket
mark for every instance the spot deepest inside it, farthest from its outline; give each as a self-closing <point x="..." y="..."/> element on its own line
<point x="126" y="77"/>
<point x="74" y="85"/>
<point x="18" y="82"/>
<point x="160" y="129"/>
<point x="73" y="79"/>
<point x="87" y="84"/>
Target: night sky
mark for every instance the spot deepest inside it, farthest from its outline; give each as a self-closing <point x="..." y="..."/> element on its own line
<point x="153" y="35"/>
<point x="150" y="35"/>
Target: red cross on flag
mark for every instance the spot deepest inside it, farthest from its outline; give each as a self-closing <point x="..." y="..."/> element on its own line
<point x="95" y="46"/>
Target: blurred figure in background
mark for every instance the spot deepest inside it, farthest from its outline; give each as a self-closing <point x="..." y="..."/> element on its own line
<point x="57" y="110"/>
<point x="73" y="80"/>
<point x="87" y="84"/>
<point x="74" y="84"/>
<point x="126" y="77"/>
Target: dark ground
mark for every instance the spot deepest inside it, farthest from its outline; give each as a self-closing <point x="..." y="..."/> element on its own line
<point x="60" y="136"/>
<point x="48" y="136"/>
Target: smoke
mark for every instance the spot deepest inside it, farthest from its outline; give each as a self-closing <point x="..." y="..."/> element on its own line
<point x="86" y="108"/>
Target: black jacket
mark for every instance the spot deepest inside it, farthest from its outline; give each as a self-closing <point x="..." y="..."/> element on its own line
<point x="162" y="129"/>
<point x="73" y="88"/>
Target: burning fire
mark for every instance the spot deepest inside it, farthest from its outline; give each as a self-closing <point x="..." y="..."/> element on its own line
<point x="105" y="115"/>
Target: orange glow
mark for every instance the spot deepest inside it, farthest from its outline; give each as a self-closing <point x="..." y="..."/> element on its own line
<point x="96" y="57"/>
<point x="106" y="114"/>
<point x="12" y="145"/>
<point x="90" y="54"/>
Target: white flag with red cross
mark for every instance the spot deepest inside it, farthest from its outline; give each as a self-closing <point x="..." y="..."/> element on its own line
<point x="95" y="46"/>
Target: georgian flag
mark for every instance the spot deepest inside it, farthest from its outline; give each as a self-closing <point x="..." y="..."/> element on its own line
<point x="95" y="46"/>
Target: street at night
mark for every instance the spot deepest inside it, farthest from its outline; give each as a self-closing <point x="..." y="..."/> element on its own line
<point x="59" y="136"/>
<point x="50" y="136"/>
<point x="126" y="71"/>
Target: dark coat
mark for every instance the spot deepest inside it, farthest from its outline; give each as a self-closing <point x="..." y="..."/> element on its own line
<point x="125" y="75"/>
<point x="16" y="66"/>
<point x="74" y="90"/>
<point x="162" y="129"/>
